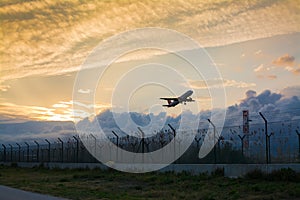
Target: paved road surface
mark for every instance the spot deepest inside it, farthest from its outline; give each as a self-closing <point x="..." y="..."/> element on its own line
<point x="8" y="193"/>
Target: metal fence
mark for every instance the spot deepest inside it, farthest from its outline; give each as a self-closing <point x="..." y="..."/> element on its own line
<point x="281" y="144"/>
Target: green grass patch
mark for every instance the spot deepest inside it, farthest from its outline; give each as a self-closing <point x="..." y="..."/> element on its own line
<point x="111" y="184"/>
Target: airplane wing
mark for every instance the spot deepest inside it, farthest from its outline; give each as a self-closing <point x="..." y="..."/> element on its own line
<point x="171" y="104"/>
<point x="189" y="100"/>
<point x="166" y="98"/>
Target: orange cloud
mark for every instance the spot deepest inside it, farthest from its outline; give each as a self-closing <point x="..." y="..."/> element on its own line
<point x="272" y="76"/>
<point x="218" y="83"/>
<point x="285" y="60"/>
<point x="61" y="111"/>
<point x="296" y="71"/>
<point x="55" y="37"/>
<point x="264" y="72"/>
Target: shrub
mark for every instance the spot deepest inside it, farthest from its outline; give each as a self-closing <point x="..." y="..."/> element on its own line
<point x="284" y="174"/>
<point x="14" y="164"/>
<point x="218" y="172"/>
<point x="255" y="174"/>
<point x="276" y="175"/>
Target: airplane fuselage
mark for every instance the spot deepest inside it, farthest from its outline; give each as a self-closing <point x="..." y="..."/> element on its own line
<point x="185" y="96"/>
<point x="172" y="102"/>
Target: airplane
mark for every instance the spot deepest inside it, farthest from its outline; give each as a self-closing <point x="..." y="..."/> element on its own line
<point x="172" y="102"/>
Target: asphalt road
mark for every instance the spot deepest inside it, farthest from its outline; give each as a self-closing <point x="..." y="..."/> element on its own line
<point x="8" y="193"/>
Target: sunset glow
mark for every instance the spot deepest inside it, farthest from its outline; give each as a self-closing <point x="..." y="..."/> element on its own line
<point x="255" y="45"/>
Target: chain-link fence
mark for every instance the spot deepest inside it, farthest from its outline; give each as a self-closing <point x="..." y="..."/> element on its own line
<point x="280" y="144"/>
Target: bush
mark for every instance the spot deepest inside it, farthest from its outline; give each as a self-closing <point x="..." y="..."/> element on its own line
<point x="283" y="175"/>
<point x="255" y="174"/>
<point x="218" y="172"/>
<point x="14" y="164"/>
<point x="276" y="175"/>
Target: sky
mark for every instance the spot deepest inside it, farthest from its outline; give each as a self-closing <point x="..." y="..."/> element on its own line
<point x="254" y="45"/>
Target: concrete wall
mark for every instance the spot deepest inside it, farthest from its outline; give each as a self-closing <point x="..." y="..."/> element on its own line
<point x="230" y="170"/>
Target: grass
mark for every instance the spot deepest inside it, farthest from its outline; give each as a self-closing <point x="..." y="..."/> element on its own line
<point x="111" y="184"/>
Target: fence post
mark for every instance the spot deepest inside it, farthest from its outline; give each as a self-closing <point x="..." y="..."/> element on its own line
<point x="197" y="141"/>
<point x="27" y="151"/>
<point x="242" y="141"/>
<point x="117" y="142"/>
<point x="77" y="148"/>
<point x="62" y="150"/>
<point x="37" y="151"/>
<point x="11" y="150"/>
<point x="4" y="152"/>
<point x="215" y="153"/>
<point x="174" y="134"/>
<point x="266" y="134"/>
<point x="298" y="143"/>
<point x="142" y="142"/>
<point x="19" y="151"/>
<point x="95" y="143"/>
<point x="49" y="145"/>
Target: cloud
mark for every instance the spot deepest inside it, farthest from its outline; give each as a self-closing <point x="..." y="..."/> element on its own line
<point x="275" y="107"/>
<point x="291" y="91"/>
<point x="259" y="52"/>
<point x="238" y="84"/>
<point x="25" y="112"/>
<point x="289" y="64"/>
<point x="58" y="112"/>
<point x="218" y="83"/>
<point x="260" y="68"/>
<point x="296" y="71"/>
<point x="264" y="72"/>
<point x="82" y="91"/>
<point x="263" y="69"/>
<point x="285" y="60"/>
<point x="62" y="104"/>
<point x="250" y="94"/>
<point x="272" y="77"/>
<point x="288" y="68"/>
<point x="55" y="38"/>
<point x="267" y="97"/>
<point x="36" y="130"/>
<point x="4" y="88"/>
